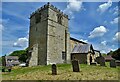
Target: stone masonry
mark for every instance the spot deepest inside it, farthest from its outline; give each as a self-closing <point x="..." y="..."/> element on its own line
<point x="49" y="38"/>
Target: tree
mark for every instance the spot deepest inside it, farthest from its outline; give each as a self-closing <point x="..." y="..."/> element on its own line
<point x="110" y="53"/>
<point x="22" y="54"/>
<point x="116" y="54"/>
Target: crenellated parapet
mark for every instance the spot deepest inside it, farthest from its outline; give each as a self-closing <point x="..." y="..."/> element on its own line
<point x="48" y="5"/>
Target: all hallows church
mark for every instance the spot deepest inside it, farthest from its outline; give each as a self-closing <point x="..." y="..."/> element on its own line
<point x="50" y="41"/>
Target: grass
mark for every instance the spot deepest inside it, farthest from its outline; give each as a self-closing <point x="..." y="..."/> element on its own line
<point x="64" y="72"/>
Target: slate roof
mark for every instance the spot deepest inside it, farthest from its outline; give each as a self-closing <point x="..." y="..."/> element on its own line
<point x="108" y="57"/>
<point x="11" y="57"/>
<point x="85" y="48"/>
<point x="12" y="60"/>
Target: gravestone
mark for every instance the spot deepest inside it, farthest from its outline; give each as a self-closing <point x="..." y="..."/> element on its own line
<point x="113" y="63"/>
<point x="102" y="61"/>
<point x="9" y="70"/>
<point x="54" y="69"/>
<point x="117" y="63"/>
<point x="93" y="63"/>
<point x="3" y="69"/>
<point x="75" y="66"/>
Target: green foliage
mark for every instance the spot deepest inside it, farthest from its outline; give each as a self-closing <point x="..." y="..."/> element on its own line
<point x="110" y="53"/>
<point x="104" y="54"/>
<point x="116" y="54"/>
<point x="22" y="54"/>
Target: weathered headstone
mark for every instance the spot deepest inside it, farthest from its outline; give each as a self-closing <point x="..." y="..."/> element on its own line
<point x="3" y="69"/>
<point x="9" y="70"/>
<point x="75" y="66"/>
<point x="113" y="63"/>
<point x="102" y="61"/>
<point x="117" y="63"/>
<point x="54" y="69"/>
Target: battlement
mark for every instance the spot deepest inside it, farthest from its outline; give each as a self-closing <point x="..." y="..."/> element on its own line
<point x="48" y="5"/>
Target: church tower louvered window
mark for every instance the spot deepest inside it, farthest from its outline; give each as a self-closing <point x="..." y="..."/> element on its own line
<point x="59" y="18"/>
<point x="38" y="17"/>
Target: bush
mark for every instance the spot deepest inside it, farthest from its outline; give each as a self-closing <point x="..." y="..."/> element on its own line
<point x="22" y="54"/>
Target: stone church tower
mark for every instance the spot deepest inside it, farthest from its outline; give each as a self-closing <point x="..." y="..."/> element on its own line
<point x="49" y="40"/>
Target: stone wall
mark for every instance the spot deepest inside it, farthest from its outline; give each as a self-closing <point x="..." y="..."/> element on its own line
<point x="81" y="57"/>
<point x="38" y="35"/>
<point x="88" y="58"/>
<point x="56" y="38"/>
<point x="68" y="48"/>
<point x="34" y="56"/>
<point x="51" y="36"/>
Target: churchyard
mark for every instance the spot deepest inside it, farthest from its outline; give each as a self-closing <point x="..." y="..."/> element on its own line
<point x="64" y="72"/>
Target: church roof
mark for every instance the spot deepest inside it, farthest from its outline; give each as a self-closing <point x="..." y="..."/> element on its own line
<point x="77" y="40"/>
<point x="85" y="48"/>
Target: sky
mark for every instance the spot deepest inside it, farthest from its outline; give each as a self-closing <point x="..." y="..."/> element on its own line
<point x="93" y="22"/>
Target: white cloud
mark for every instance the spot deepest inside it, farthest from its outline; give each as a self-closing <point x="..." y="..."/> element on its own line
<point x="103" y="7"/>
<point x="103" y="47"/>
<point x="21" y="42"/>
<point x="98" y="32"/>
<point x="3" y="21"/>
<point x="84" y="40"/>
<point x="104" y="43"/>
<point x="73" y="6"/>
<point x="117" y="37"/>
<point x="115" y="20"/>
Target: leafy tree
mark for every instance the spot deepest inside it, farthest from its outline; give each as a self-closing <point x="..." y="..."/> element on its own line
<point x="110" y="53"/>
<point x="116" y="54"/>
<point x="22" y="54"/>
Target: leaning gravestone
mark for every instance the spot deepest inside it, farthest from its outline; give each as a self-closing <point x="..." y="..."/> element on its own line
<point x="102" y="61"/>
<point x="113" y="63"/>
<point x="75" y="66"/>
<point x="54" y="69"/>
